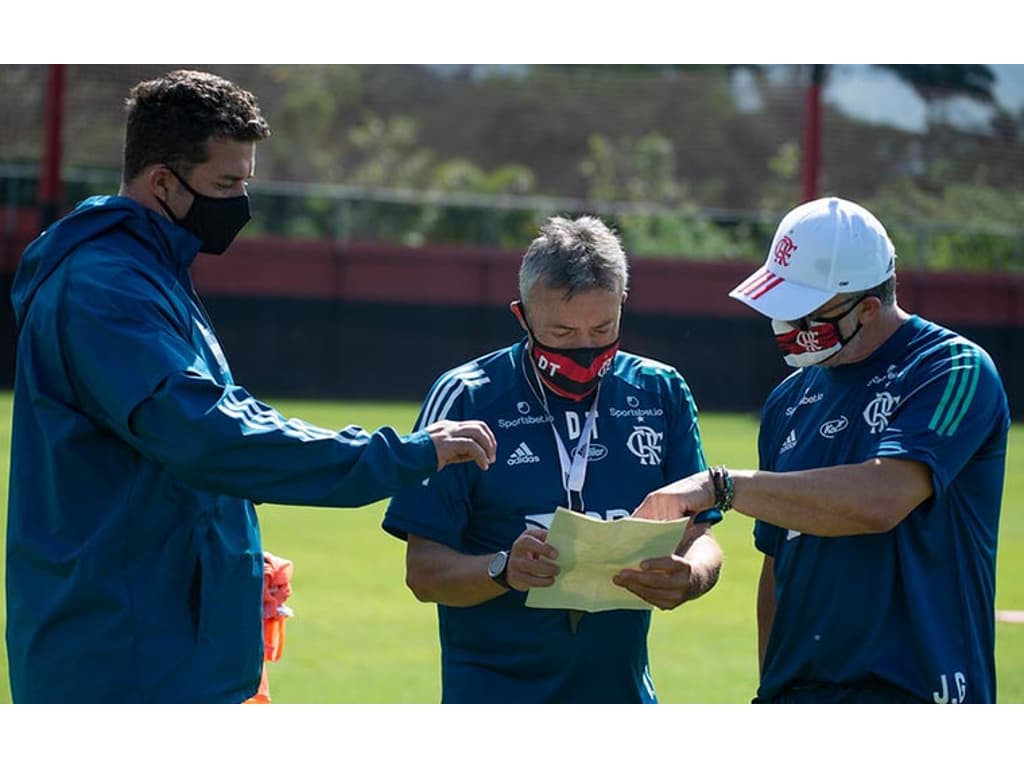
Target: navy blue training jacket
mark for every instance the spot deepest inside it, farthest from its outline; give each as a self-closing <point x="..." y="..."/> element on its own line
<point x="134" y="564"/>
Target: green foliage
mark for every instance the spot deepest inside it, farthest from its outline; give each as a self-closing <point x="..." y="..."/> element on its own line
<point x="388" y="155"/>
<point x="507" y="228"/>
<point x="359" y="636"/>
<point x="785" y="164"/>
<point x="628" y="169"/>
<point x="643" y="170"/>
<point x="690" y="161"/>
<point x="783" y="175"/>
<point x="686" y="234"/>
<point x="953" y="225"/>
<point x="307" y="107"/>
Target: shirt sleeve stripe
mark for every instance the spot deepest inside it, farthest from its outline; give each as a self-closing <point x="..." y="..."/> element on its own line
<point x="439" y="393"/>
<point x="969" y="397"/>
<point x="441" y="389"/>
<point x="961" y="385"/>
<point x="959" y="392"/>
<point x="258" y="419"/>
<point x="447" y="391"/>
<point x="941" y="408"/>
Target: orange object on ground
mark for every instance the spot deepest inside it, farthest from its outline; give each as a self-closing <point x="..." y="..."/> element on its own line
<point x="277" y="574"/>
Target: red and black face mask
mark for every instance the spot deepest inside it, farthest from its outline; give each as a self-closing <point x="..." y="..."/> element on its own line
<point x="572" y="373"/>
<point x="813" y="340"/>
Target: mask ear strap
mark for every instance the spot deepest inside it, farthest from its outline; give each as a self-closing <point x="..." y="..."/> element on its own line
<point x="163" y="203"/>
<point x="168" y="211"/>
<point x="183" y="183"/>
<point x="520" y="311"/>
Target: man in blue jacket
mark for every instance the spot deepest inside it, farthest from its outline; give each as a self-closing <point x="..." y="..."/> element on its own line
<point x="134" y="564"/>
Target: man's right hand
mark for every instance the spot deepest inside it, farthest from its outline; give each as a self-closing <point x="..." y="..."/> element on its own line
<point x="530" y="561"/>
<point x="458" y="441"/>
<point x="683" y="498"/>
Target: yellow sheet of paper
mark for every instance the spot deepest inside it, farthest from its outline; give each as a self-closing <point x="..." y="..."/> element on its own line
<point x="591" y="551"/>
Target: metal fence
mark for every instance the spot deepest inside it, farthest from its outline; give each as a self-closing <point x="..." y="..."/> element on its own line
<point x="411" y="217"/>
<point x="694" y="162"/>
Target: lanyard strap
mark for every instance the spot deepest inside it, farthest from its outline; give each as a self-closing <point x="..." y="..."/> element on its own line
<point x="574" y="468"/>
<point x="574" y="471"/>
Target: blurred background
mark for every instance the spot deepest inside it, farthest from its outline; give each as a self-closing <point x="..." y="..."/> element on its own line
<point x="393" y="202"/>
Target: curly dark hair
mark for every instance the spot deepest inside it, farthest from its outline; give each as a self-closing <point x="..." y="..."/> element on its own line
<point x="171" y="117"/>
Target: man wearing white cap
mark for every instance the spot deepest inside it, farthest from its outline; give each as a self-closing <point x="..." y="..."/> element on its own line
<point x="877" y="502"/>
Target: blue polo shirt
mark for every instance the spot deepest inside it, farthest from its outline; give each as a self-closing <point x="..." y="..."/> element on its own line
<point x="646" y="436"/>
<point x="912" y="608"/>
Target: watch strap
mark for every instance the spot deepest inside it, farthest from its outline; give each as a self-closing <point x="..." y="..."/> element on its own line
<point x="500" y="577"/>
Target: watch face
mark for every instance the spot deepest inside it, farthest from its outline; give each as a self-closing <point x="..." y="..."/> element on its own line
<point x="497" y="564"/>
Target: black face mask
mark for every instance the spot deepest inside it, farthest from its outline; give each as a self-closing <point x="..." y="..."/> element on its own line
<point x="214" y="220"/>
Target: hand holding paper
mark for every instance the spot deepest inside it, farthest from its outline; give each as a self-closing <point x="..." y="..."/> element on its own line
<point x="593" y="551"/>
<point x="531" y="561"/>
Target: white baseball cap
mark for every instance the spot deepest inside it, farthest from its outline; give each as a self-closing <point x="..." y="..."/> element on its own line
<point x="821" y="248"/>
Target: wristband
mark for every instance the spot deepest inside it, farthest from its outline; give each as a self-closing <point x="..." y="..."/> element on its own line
<point x="722" y="483"/>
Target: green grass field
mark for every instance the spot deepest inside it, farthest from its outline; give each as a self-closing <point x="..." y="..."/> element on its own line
<point x="359" y="636"/>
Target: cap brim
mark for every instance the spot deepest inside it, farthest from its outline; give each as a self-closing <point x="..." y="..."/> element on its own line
<point x="777" y="298"/>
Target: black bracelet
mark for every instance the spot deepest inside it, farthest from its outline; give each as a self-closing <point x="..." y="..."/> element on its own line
<point x="722" y="483"/>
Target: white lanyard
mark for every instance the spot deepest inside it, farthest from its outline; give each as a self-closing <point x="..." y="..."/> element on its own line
<point x="574" y="469"/>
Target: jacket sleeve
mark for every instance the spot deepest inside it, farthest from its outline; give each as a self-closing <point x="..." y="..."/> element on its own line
<point x="438" y="509"/>
<point x="133" y="368"/>
<point x="222" y="439"/>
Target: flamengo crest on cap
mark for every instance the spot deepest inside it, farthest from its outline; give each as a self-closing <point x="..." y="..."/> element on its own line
<point x="784" y="251"/>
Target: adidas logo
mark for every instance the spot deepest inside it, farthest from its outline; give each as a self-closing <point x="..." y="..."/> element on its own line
<point x="522" y="455"/>
<point x="789" y="442"/>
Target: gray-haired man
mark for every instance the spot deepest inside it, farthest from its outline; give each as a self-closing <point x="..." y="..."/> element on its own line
<point x="584" y="426"/>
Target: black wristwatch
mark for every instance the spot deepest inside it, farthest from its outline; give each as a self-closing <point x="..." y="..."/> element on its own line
<point x="498" y="568"/>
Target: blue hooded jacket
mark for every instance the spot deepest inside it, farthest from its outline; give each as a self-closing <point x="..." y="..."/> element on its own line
<point x="134" y="564"/>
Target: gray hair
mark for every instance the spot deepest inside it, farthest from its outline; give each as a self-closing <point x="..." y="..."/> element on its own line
<point x="884" y="291"/>
<point x="575" y="256"/>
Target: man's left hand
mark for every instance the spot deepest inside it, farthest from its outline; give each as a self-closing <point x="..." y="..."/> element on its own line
<point x="664" y="582"/>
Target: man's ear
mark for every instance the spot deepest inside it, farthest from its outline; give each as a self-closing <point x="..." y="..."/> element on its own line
<point x="870" y="308"/>
<point x="516" y="308"/>
<point x="160" y="182"/>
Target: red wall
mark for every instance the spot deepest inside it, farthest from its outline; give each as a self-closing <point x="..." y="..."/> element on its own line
<point x="302" y="300"/>
<point x="464" y="276"/>
<point x="468" y="276"/>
